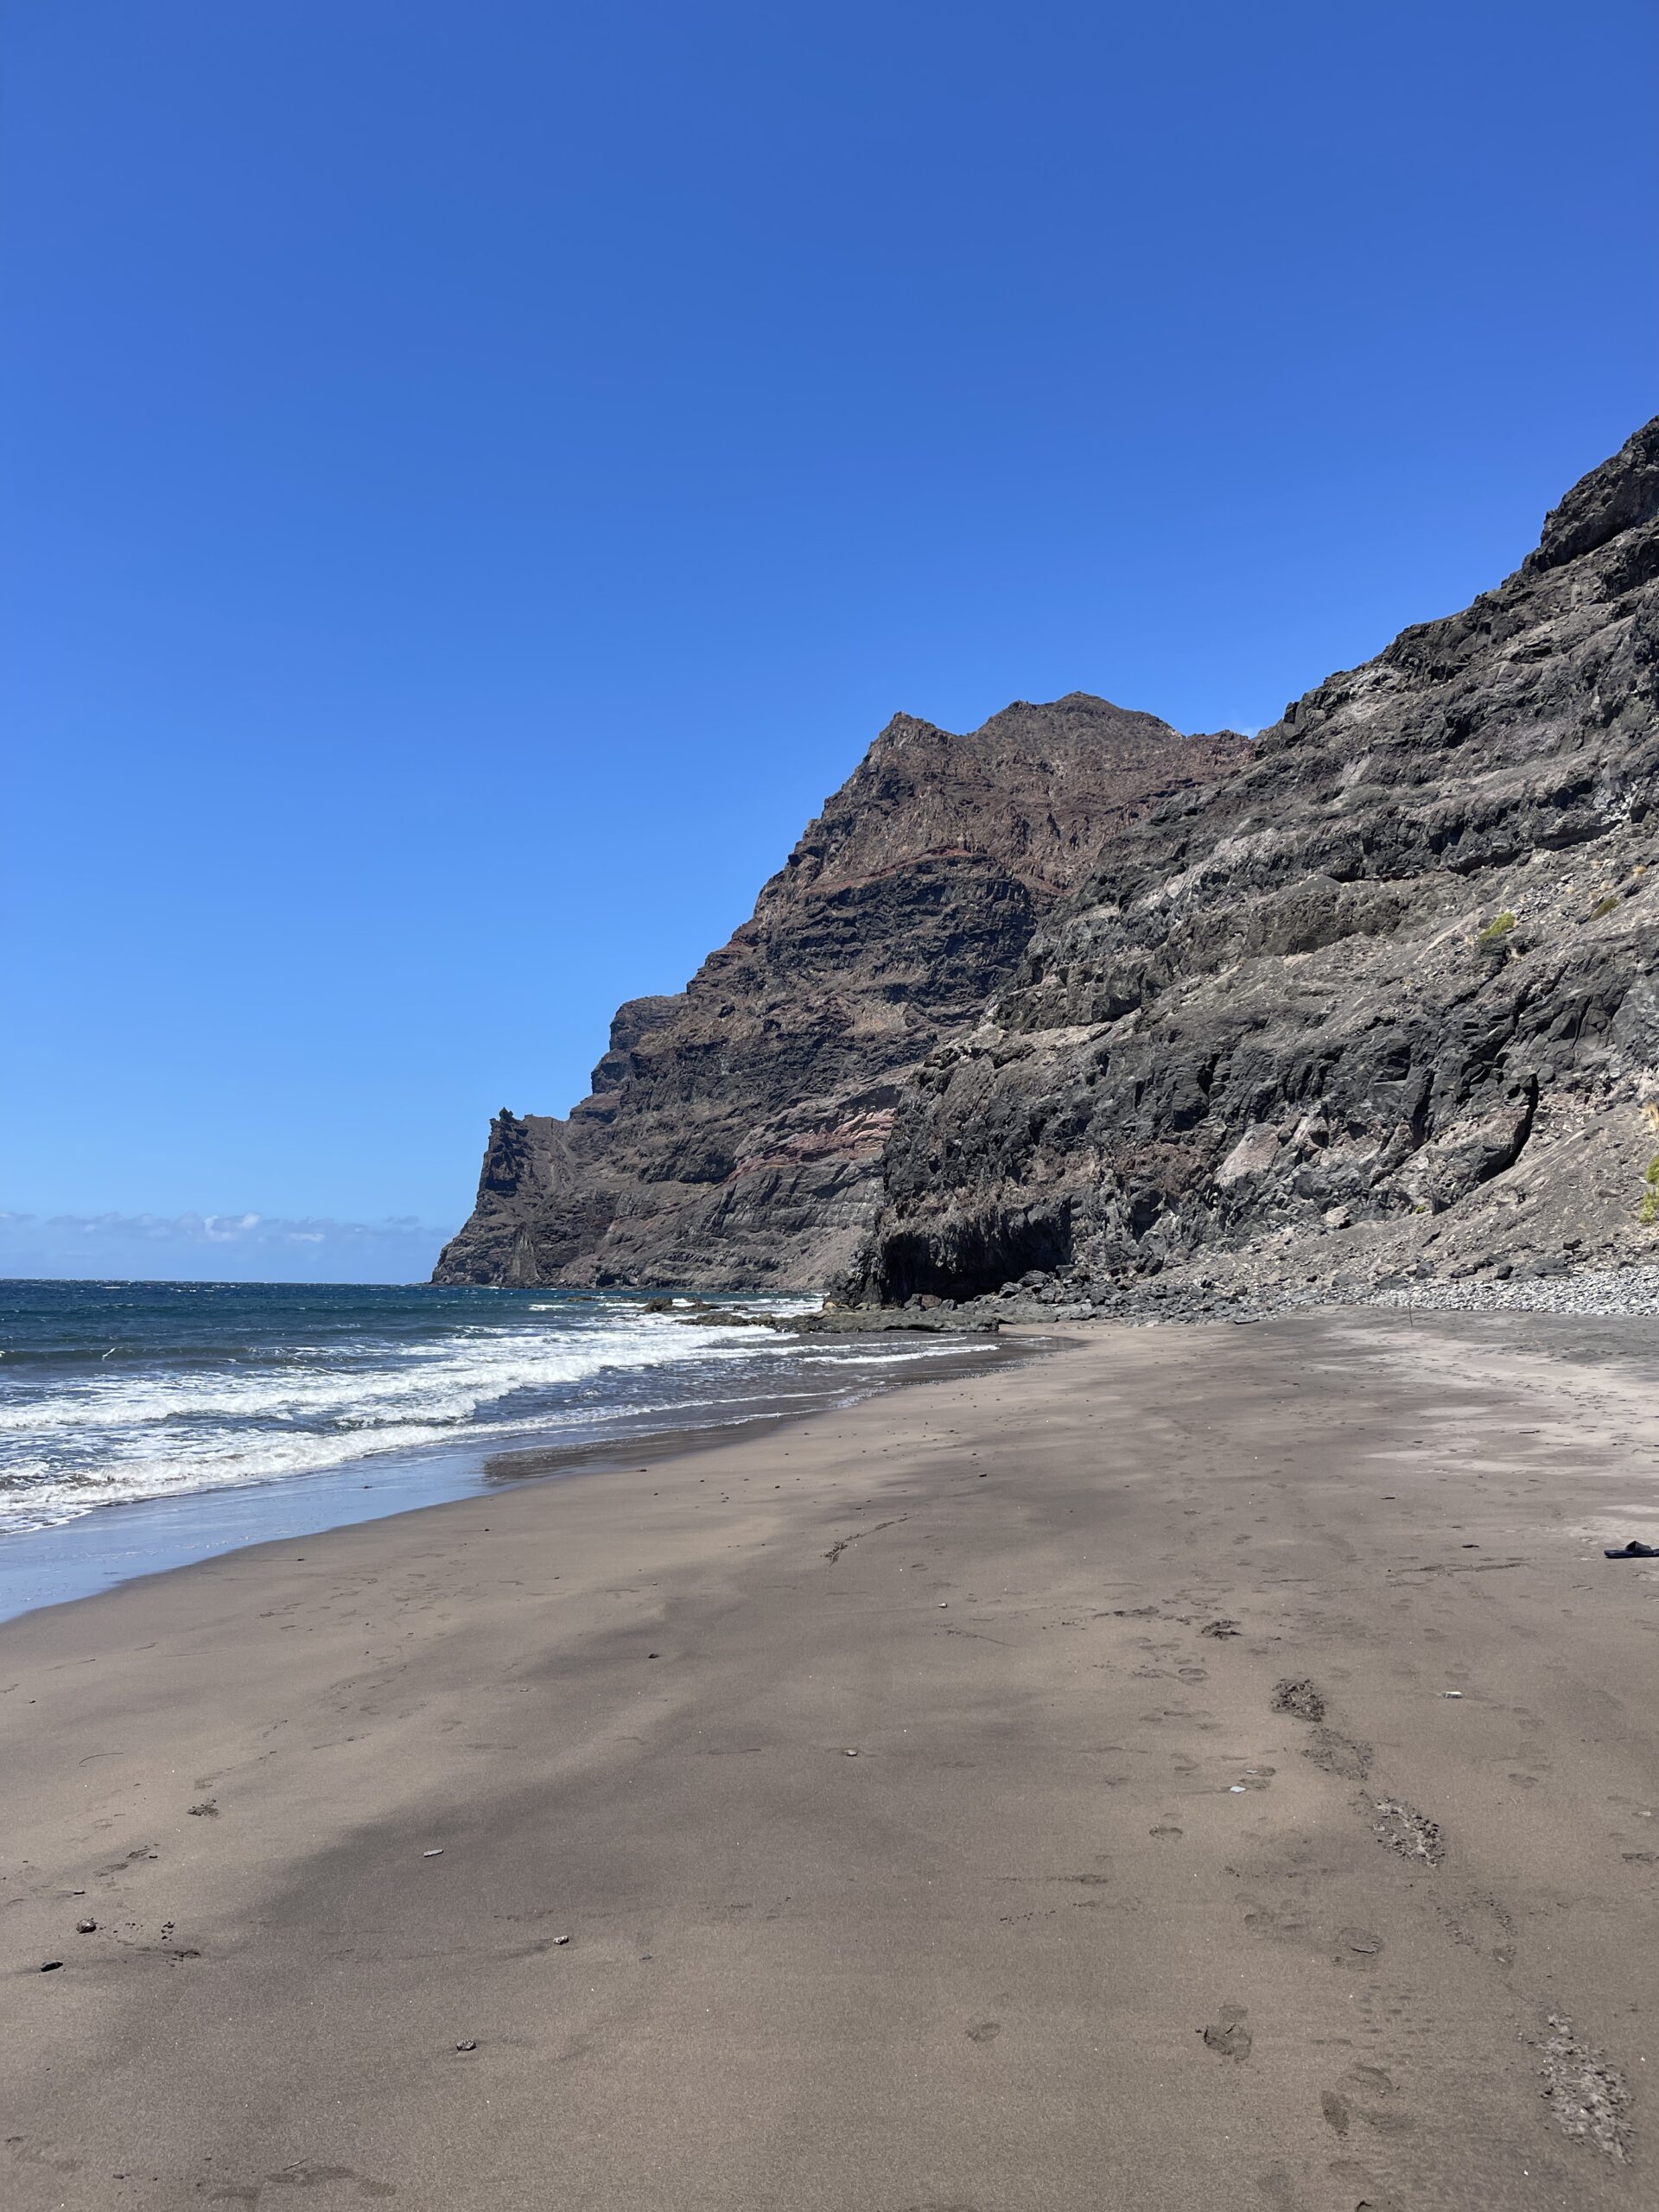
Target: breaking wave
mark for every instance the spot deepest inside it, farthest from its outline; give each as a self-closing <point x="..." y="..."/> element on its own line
<point x="114" y="1392"/>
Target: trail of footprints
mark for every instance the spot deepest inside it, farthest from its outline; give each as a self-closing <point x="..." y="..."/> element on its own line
<point x="1584" y="2093"/>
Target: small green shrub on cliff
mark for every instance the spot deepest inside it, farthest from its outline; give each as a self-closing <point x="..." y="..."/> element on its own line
<point x="1648" y="1212"/>
<point x="1496" y="932"/>
<point x="1607" y="906"/>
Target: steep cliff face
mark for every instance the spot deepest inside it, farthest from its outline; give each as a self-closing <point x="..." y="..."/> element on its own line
<point x="735" y="1135"/>
<point x="1386" y="999"/>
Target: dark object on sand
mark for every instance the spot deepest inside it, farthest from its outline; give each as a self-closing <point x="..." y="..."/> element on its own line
<point x="1220" y="1629"/>
<point x="208" y="1809"/>
<point x="1633" y="1550"/>
<point x="50" y="1965"/>
<point x="1301" y="1697"/>
<point x="471" y="2044"/>
<point x="85" y="1927"/>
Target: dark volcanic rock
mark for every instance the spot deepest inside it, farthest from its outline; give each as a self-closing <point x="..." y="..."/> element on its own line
<point x="1379" y="1005"/>
<point x="735" y="1136"/>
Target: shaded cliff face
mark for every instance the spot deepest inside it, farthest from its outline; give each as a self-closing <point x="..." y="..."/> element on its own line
<point x="734" y="1135"/>
<point x="1385" y="1001"/>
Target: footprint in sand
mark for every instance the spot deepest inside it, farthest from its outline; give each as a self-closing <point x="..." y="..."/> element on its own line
<point x="1364" y="2094"/>
<point x="1356" y="2176"/>
<point x="985" y="2031"/>
<point x="1480" y="1922"/>
<point x="1279" y="2190"/>
<point x="1282" y="1922"/>
<point x="1228" y="2038"/>
<point x="307" y="2174"/>
<point x="1299" y="1695"/>
<point x="1349" y="1757"/>
<point x="1410" y="1832"/>
<point x="1589" y="2099"/>
<point x="1357" y="1944"/>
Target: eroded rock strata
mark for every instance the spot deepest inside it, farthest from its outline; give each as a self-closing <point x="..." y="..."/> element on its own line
<point x="735" y="1132"/>
<point x="1078" y="1004"/>
<point x="1379" y="1005"/>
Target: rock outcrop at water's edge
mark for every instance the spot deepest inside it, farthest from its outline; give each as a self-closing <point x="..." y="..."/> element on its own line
<point x="1382" y="1004"/>
<point x="735" y="1136"/>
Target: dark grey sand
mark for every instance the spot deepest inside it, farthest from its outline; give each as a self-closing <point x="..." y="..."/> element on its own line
<point x="1098" y="1916"/>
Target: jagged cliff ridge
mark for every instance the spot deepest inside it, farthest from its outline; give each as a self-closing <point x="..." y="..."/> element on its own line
<point x="735" y="1135"/>
<point x="1382" y="1002"/>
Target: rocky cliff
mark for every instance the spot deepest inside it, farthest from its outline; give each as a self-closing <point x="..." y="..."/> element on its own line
<point x="735" y="1132"/>
<point x="1382" y="1003"/>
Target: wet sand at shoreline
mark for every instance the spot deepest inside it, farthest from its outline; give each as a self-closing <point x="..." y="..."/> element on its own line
<point x="899" y="1809"/>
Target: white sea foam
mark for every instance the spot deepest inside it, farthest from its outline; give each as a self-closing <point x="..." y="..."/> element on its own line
<point x="447" y="1380"/>
<point x="166" y="1428"/>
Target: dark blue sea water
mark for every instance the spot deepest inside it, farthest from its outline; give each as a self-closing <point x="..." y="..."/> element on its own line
<point x="216" y="1414"/>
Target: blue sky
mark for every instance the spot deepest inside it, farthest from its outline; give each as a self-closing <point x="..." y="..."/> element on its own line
<point x="478" y="475"/>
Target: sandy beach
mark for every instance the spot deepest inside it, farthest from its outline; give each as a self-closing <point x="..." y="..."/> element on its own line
<point x="1025" y="1793"/>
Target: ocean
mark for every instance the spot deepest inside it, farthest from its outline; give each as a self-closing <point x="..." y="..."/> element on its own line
<point x="144" y="1424"/>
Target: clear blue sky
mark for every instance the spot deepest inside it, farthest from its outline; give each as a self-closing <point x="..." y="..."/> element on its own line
<point x="479" y="472"/>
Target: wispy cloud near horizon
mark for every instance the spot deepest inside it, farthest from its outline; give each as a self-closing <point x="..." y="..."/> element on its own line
<point x="216" y="1248"/>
